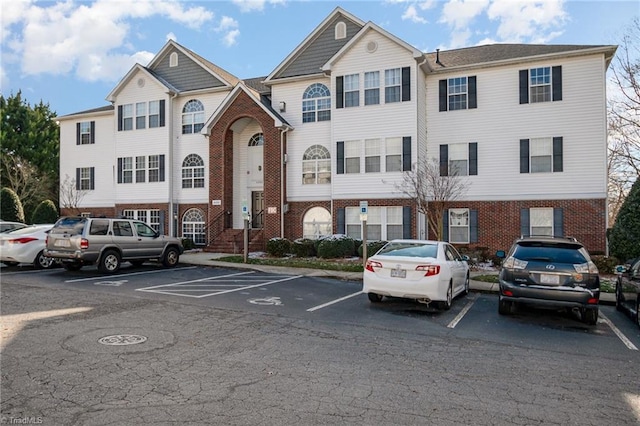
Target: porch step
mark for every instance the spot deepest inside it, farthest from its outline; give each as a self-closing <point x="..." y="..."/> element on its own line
<point x="232" y="241"/>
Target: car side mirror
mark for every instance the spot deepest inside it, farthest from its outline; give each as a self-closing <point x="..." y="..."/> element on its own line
<point x="620" y="269"/>
<point x="501" y="254"/>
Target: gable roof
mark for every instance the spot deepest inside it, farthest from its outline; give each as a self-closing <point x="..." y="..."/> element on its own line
<point x="317" y="48"/>
<point x="127" y="78"/>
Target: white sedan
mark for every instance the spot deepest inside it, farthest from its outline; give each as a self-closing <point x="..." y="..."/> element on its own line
<point x="427" y="271"/>
<point x="25" y="245"/>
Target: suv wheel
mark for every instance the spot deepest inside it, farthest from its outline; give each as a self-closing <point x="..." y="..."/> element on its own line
<point x="109" y="262"/>
<point x="590" y="315"/>
<point x="504" y="306"/>
<point x="171" y="257"/>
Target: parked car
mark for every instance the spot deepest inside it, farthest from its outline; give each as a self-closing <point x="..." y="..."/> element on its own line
<point x="10" y="226"/>
<point x="551" y="271"/>
<point x="427" y="271"/>
<point x="79" y="241"/>
<point x="25" y="245"/>
<point x="628" y="289"/>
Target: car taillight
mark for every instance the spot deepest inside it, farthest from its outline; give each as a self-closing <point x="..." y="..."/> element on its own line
<point x="22" y="240"/>
<point x="84" y="243"/>
<point x="429" y="269"/>
<point x="586" y="268"/>
<point x="513" y="263"/>
<point x="372" y="264"/>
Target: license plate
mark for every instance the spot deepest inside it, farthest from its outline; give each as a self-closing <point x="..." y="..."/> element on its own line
<point x="549" y="279"/>
<point x="398" y="273"/>
<point x="62" y="243"/>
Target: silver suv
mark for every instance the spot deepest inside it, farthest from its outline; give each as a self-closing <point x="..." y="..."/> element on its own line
<point x="79" y="241"/>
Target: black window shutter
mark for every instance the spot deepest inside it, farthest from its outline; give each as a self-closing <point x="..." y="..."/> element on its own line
<point x="339" y="92"/>
<point x="92" y="176"/>
<point x="77" y="133"/>
<point x="524" y="222"/>
<point x="406" y="222"/>
<point x="340" y="158"/>
<point x="119" y="170"/>
<point x="558" y="222"/>
<point x="443" y="95"/>
<point x="78" y="179"/>
<point x="119" y="118"/>
<point x="161" y="168"/>
<point x="524" y="155"/>
<point x="473" y="158"/>
<point x="473" y="226"/>
<point x="556" y="81"/>
<point x="473" y="98"/>
<point x="406" y="153"/>
<point x="162" y="113"/>
<point x="406" y="84"/>
<point x="340" y="221"/>
<point x="445" y="225"/>
<point x="444" y="160"/>
<point x="524" y="86"/>
<point x="93" y="132"/>
<point x="161" y="225"/>
<point x="557" y="154"/>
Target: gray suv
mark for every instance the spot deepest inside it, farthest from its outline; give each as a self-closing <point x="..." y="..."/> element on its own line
<point x="79" y="241"/>
<point x="552" y="271"/>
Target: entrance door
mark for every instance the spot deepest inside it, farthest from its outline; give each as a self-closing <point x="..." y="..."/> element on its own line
<point x="257" y="209"/>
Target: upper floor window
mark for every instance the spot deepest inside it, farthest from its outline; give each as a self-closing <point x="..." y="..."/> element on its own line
<point x="153" y="166"/>
<point x="458" y="93"/>
<point x="392" y="85"/>
<point x="257" y="140"/>
<point x="316" y="165"/>
<point x="154" y="114"/>
<point x="173" y="59"/>
<point x="372" y="153"/>
<point x="125" y="170"/>
<point x="352" y="156"/>
<point x="341" y="31"/>
<point x="85" y="178"/>
<point x="372" y="88"/>
<point x="394" y="153"/>
<point x="85" y="132"/>
<point x="141" y="115"/>
<point x="155" y="117"/>
<point x="459" y="159"/>
<point x="316" y="103"/>
<point x="543" y="84"/>
<point x="541" y="155"/>
<point x="193" y="172"/>
<point x="351" y="90"/>
<point x="192" y="117"/>
<point x="141" y="168"/>
<point x="127" y="117"/>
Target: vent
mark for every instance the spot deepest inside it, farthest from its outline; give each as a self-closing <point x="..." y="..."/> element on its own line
<point x="341" y="30"/>
<point x="372" y="46"/>
<point x="141" y="82"/>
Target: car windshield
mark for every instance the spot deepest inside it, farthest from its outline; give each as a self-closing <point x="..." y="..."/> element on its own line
<point x="409" y="249"/>
<point x="556" y="253"/>
<point x="69" y="225"/>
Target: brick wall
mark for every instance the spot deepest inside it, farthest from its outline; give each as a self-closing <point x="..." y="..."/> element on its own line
<point x="94" y="211"/>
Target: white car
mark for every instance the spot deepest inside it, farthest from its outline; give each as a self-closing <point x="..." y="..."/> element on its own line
<point x="427" y="271"/>
<point x="26" y="245"/>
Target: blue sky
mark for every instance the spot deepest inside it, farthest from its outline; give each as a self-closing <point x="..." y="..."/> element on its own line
<point x="71" y="54"/>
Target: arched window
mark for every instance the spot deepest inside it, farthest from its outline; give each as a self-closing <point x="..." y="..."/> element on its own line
<point x="192" y="117"/>
<point x="193" y="172"/>
<point x="256" y="140"/>
<point x="173" y="60"/>
<point x="316" y="223"/>
<point x="193" y="226"/>
<point x="341" y="30"/>
<point x="316" y="103"/>
<point x="316" y="165"/>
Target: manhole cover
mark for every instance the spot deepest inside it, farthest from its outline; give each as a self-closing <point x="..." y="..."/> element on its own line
<point x="122" y="339"/>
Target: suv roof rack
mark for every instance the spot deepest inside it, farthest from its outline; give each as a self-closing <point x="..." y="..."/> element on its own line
<point x="566" y="237"/>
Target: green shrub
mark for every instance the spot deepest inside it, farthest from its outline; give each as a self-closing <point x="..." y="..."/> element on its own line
<point x="303" y="247"/>
<point x="188" y="244"/>
<point x="624" y="237"/>
<point x="278" y="247"/>
<point x="46" y="212"/>
<point x="606" y="265"/>
<point x="336" y="246"/>
<point x="372" y="248"/>
<point x="10" y="206"/>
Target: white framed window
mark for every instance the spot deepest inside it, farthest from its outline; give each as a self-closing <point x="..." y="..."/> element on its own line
<point x="372" y="155"/>
<point x="351" y="90"/>
<point x="340" y="31"/>
<point x="173" y="59"/>
<point x="541" y="155"/>
<point x="353" y="225"/>
<point x="316" y="165"/>
<point x="372" y="88"/>
<point x="541" y="221"/>
<point x="154" y="114"/>
<point x="141" y="168"/>
<point x="127" y="117"/>
<point x="540" y="84"/>
<point x="256" y="140"/>
<point x="393" y="157"/>
<point x="85" y="133"/>
<point x="352" y="156"/>
<point x="141" y="115"/>
<point x="316" y="223"/>
<point x="193" y="172"/>
<point x="459" y="226"/>
<point x="457" y="93"/>
<point x="127" y="170"/>
<point x="458" y="159"/>
<point x="193" y="226"/>
<point x="316" y="103"/>
<point x="154" y="168"/>
<point x="383" y="223"/>
<point x="150" y="217"/>
<point x="85" y="179"/>
<point x="192" y="117"/>
<point x="392" y="85"/>
<point x="395" y="226"/>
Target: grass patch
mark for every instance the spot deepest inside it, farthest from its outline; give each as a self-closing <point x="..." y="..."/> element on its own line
<point x="488" y="278"/>
<point x="345" y="265"/>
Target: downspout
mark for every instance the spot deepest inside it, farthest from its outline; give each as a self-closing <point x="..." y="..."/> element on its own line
<point x="172" y="220"/>
<point x="282" y="179"/>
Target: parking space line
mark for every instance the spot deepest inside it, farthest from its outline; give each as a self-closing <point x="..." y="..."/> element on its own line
<point x="617" y="331"/>
<point x="324" y="305"/>
<point x="257" y="285"/>
<point x="129" y="274"/>
<point x="192" y="281"/>
<point x="463" y="312"/>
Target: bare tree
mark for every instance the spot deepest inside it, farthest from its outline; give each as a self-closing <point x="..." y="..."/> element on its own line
<point x="624" y="120"/>
<point x="24" y="179"/>
<point x="70" y="195"/>
<point x="432" y="191"/>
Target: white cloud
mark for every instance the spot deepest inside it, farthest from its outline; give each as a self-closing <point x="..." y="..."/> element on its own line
<point x="230" y="38"/>
<point x="247" y="6"/>
<point x="412" y="14"/>
<point x="171" y="36"/>
<point x="528" y="20"/>
<point x="229" y="26"/>
<point x="460" y="13"/>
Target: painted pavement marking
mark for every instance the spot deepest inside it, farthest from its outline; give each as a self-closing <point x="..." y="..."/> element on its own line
<point x="463" y="312"/>
<point x="617" y="331"/>
<point x="324" y="305"/>
<point x="101" y="277"/>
